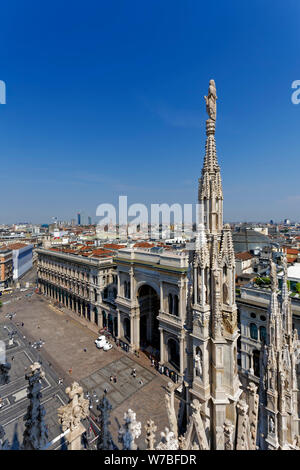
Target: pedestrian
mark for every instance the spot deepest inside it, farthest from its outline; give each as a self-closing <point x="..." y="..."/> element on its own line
<point x="141" y="382"/>
<point x="105" y="390"/>
<point x="70" y="371"/>
<point x="115" y="379"/>
<point x="22" y="323"/>
<point x="12" y="358"/>
<point x="84" y="349"/>
<point x="111" y="378"/>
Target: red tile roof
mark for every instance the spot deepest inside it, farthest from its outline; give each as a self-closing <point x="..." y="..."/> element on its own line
<point x="114" y="246"/>
<point x="143" y="245"/>
<point x="17" y="246"/>
<point x="244" y="256"/>
<point x="292" y="251"/>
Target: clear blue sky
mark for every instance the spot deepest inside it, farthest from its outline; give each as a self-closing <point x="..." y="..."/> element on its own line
<point x="106" y="98"/>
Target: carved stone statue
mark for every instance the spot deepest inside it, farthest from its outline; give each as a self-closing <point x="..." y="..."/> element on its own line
<point x="130" y="431"/>
<point x="150" y="429"/>
<point x="273" y="277"/>
<point x="168" y="441"/>
<point x="4" y="444"/>
<point x="228" y="435"/>
<point x="169" y="397"/>
<point x="211" y="101"/>
<point x="105" y="441"/>
<point x="271" y="424"/>
<point x="35" y="435"/>
<point x="198" y="362"/>
<point x="70" y="415"/>
<point x="4" y="373"/>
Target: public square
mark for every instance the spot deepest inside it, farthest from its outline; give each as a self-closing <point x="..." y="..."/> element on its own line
<point x="69" y="353"/>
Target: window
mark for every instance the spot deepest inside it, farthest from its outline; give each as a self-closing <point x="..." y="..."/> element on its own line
<point x="256" y="361"/>
<point x="263" y="318"/>
<point x="252" y="315"/>
<point x="176" y="303"/>
<point x="263" y="333"/>
<point x="170" y="303"/>
<point x="253" y="331"/>
<point x="128" y="290"/>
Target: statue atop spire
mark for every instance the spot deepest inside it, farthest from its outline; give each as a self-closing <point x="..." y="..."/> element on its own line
<point x="211" y="100"/>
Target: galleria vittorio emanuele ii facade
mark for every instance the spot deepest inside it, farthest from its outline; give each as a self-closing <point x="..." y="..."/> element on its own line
<point x="182" y="304"/>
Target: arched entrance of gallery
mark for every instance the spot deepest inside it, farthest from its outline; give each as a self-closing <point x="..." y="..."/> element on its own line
<point x="148" y="301"/>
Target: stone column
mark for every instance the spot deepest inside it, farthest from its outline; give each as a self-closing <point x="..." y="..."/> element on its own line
<point x="131" y="331"/>
<point x="119" y="323"/>
<point x="251" y="370"/>
<point x="162" y="346"/>
<point x="136" y="339"/>
<point x="181" y="348"/>
<point x="161" y="296"/>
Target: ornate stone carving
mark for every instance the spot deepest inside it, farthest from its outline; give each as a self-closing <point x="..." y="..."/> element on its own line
<point x="4" y="444"/>
<point x="169" y="397"/>
<point x="230" y="321"/>
<point x="243" y="430"/>
<point x="35" y="435"/>
<point x="130" y="431"/>
<point x="195" y="436"/>
<point x="105" y="441"/>
<point x="228" y="435"/>
<point x="168" y="441"/>
<point x="151" y="429"/>
<point x="77" y="409"/>
<point x="198" y="363"/>
<point x="4" y="373"/>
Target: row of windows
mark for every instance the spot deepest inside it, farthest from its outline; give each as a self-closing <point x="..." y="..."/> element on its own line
<point x="262" y="317"/>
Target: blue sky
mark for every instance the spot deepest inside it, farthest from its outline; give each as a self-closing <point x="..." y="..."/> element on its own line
<point x="106" y="99"/>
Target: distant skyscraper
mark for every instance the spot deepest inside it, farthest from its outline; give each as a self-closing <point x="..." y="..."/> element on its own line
<point x="89" y="220"/>
<point x="78" y="219"/>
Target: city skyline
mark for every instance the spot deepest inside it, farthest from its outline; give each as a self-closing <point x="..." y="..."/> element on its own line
<point x="92" y="113"/>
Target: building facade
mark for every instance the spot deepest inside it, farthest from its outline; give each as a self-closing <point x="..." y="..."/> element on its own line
<point x="86" y="286"/>
<point x="6" y="268"/>
<point x="22" y="259"/>
<point x="151" y="303"/>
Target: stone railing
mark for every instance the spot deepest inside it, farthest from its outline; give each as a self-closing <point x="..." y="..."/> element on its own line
<point x="172" y="319"/>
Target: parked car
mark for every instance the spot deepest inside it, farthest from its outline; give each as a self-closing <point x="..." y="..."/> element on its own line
<point x="99" y="342"/>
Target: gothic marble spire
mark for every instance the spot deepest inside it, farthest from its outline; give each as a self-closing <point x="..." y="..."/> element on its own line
<point x="285" y="299"/>
<point x="210" y="194"/>
<point x="35" y="435"/>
